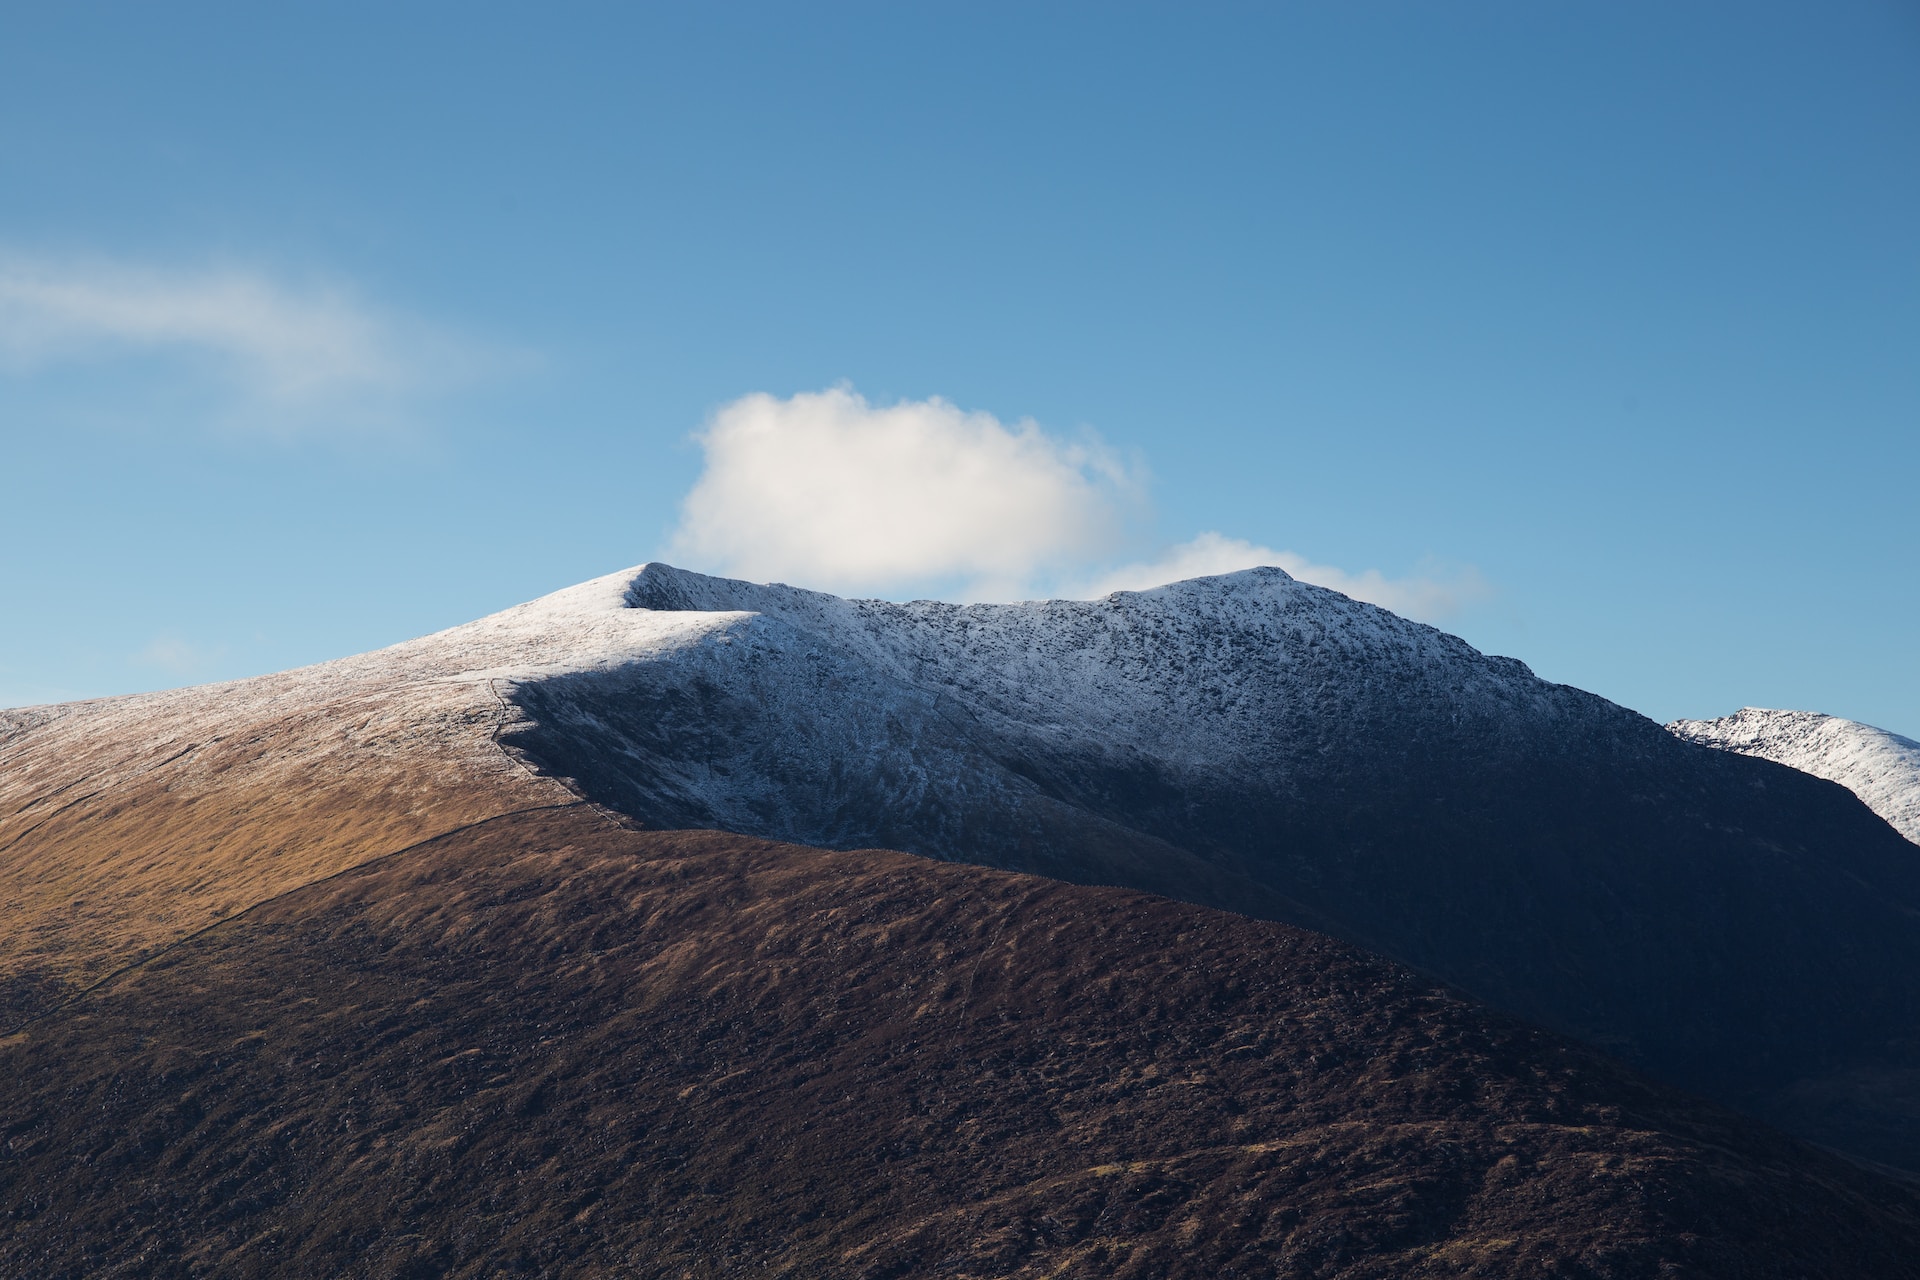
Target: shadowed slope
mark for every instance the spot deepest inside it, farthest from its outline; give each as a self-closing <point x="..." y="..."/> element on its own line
<point x="547" y="1045"/>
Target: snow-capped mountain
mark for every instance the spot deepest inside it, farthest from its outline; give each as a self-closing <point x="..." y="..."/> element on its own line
<point x="1247" y="741"/>
<point x="1882" y="768"/>
<point x="1258" y="743"/>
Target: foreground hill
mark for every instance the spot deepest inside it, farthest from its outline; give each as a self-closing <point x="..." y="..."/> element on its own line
<point x="1882" y="768"/>
<point x="549" y="1045"/>
<point x="1733" y="926"/>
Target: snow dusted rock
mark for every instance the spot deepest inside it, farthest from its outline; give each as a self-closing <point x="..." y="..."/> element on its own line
<point x="1051" y="736"/>
<point x="1882" y="768"/>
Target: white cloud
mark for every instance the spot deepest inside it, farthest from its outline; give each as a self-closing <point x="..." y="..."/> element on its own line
<point x="827" y="490"/>
<point x="1427" y="597"/>
<point x="282" y="348"/>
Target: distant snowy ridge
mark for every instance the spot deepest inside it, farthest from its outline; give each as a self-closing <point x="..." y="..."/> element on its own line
<point x="1882" y="768"/>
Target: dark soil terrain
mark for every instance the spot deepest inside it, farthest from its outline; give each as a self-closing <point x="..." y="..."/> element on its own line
<point x="549" y="1045"/>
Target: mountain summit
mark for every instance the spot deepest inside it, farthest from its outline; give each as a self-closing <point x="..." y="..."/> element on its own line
<point x="1247" y="741"/>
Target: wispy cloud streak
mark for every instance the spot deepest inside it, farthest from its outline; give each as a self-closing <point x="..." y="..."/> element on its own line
<point x="297" y="350"/>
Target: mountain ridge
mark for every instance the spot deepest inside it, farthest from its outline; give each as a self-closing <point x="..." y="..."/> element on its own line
<point x="1246" y="742"/>
<point x="1879" y="766"/>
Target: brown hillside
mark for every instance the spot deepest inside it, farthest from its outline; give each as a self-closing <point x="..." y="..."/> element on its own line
<point x="128" y="823"/>
<point x="547" y="1045"/>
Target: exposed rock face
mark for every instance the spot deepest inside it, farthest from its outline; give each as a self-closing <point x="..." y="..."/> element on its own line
<point x="548" y="1045"/>
<point x="1882" y="768"/>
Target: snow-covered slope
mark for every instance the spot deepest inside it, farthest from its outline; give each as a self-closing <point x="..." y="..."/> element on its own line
<point x="433" y="701"/>
<point x="1882" y="768"/>
<point x="1020" y="734"/>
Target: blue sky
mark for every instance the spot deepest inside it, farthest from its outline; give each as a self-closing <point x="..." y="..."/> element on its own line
<point x="1588" y="328"/>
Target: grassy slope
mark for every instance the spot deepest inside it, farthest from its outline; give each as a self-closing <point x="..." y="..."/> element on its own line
<point x="124" y="828"/>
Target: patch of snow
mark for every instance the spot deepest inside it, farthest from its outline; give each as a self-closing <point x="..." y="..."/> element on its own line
<point x="1882" y="768"/>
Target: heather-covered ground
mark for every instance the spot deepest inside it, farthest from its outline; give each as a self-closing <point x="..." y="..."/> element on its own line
<point x="551" y="1045"/>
